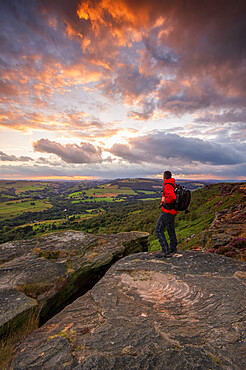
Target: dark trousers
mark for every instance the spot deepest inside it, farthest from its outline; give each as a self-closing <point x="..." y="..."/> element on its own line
<point x="166" y="220"/>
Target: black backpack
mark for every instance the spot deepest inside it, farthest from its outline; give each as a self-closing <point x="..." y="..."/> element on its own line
<point x="183" y="198"/>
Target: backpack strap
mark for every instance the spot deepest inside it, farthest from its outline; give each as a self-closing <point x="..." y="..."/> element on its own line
<point x="168" y="206"/>
<point x="169" y="183"/>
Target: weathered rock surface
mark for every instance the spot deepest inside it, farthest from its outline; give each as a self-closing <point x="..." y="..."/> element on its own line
<point x="185" y="312"/>
<point x="51" y="270"/>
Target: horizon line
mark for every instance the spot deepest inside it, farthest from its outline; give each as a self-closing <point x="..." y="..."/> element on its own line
<point x="119" y="178"/>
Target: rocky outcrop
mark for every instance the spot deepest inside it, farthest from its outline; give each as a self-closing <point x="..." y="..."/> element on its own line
<point x="227" y="234"/>
<point x="49" y="272"/>
<point x="185" y="312"/>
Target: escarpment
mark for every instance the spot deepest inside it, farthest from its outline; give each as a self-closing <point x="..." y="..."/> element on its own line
<point x="47" y="273"/>
<point x="184" y="312"/>
<point x="227" y="233"/>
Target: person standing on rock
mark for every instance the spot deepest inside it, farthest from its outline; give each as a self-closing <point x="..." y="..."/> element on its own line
<point x="166" y="219"/>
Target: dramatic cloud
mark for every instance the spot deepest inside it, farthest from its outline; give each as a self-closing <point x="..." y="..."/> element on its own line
<point x="228" y="116"/>
<point x="130" y="84"/>
<point x="202" y="43"/>
<point x="106" y="71"/>
<point x="12" y="158"/>
<point x="70" y="153"/>
<point x="159" y="146"/>
<point x="78" y="124"/>
<point x="148" y="108"/>
<point x="205" y="40"/>
<point x="185" y="97"/>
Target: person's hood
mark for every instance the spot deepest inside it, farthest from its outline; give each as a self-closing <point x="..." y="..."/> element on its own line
<point x="169" y="181"/>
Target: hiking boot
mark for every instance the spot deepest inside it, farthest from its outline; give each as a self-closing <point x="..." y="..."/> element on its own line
<point x="173" y="251"/>
<point x="161" y="255"/>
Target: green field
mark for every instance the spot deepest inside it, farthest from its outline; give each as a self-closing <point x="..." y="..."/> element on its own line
<point x="12" y="209"/>
<point x="107" y="192"/>
<point x="36" y="225"/>
<point x="149" y="198"/>
<point x="146" y="191"/>
<point x="98" y="199"/>
<point x="18" y="197"/>
<point x="22" y="186"/>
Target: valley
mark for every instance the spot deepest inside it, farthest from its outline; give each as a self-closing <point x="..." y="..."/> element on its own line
<point x="31" y="209"/>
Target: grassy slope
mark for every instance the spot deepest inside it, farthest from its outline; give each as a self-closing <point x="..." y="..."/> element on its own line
<point x="204" y="205"/>
<point x="22" y="186"/>
<point x="14" y="208"/>
<point x="102" y="192"/>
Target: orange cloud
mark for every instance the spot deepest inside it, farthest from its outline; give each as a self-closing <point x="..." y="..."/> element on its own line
<point x="51" y="177"/>
<point x="179" y="37"/>
<point x="116" y="19"/>
<point x="160" y="57"/>
<point x="37" y="79"/>
<point x="64" y="177"/>
<point x="121" y="13"/>
<point x="69" y="124"/>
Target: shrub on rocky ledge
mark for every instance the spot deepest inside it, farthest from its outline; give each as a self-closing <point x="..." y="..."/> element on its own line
<point x="238" y="243"/>
<point x="236" y="247"/>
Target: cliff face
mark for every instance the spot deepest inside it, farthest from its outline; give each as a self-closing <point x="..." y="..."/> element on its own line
<point x="147" y="313"/>
<point x="49" y="272"/>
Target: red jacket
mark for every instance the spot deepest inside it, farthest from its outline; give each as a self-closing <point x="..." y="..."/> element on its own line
<point x="169" y="194"/>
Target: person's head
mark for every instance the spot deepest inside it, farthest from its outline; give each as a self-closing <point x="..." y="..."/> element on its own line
<point x="167" y="175"/>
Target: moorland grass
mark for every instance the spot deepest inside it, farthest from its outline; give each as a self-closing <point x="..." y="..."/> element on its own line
<point x="9" y="344"/>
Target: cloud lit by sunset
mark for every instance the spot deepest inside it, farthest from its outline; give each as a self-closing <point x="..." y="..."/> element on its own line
<point x="107" y="89"/>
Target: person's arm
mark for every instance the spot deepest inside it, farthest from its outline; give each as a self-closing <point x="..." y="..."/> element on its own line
<point x="163" y="199"/>
<point x="170" y="194"/>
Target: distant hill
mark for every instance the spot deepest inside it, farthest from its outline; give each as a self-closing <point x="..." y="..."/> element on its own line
<point x="153" y="184"/>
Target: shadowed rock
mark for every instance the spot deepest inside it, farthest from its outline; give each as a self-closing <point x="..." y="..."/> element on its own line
<point x="185" y="312"/>
<point x="51" y="271"/>
<point x="14" y="306"/>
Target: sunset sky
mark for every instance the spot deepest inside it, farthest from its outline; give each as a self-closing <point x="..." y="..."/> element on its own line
<point x="109" y="89"/>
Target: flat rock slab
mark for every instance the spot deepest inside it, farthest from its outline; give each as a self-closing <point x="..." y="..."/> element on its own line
<point x="51" y="270"/>
<point x="185" y="312"/>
